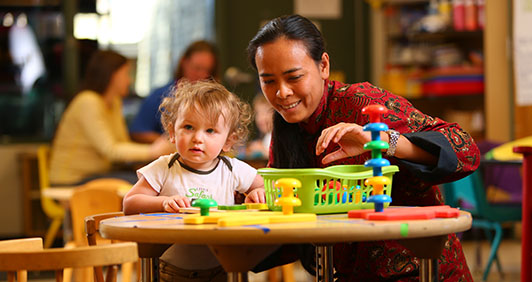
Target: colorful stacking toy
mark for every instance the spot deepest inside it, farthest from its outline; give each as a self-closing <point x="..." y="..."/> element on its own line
<point x="376" y="145"/>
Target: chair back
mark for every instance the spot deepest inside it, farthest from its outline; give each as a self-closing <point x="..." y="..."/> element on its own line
<point x="59" y="258"/>
<point x="469" y="193"/>
<point x="19" y="245"/>
<point x="50" y="207"/>
<point x="92" y="225"/>
<point x="95" y="197"/>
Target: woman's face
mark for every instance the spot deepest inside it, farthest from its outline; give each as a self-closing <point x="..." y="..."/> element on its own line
<point x="198" y="66"/>
<point x="121" y="80"/>
<point x="290" y="79"/>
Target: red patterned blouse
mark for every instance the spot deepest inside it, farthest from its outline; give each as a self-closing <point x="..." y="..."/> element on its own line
<point x="414" y="184"/>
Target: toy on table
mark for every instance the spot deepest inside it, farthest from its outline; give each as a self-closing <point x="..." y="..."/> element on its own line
<point x="376" y="145"/>
<point x="204" y="205"/>
<point x="406" y="213"/>
<point x="287" y="201"/>
<point x="236" y="218"/>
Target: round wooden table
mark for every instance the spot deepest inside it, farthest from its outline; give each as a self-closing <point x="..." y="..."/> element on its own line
<point x="240" y="248"/>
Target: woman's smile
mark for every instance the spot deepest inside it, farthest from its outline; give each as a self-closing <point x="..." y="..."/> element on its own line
<point x="290" y="106"/>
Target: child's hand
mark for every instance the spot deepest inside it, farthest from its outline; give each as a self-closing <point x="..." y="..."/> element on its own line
<point x="172" y="204"/>
<point x="256" y="196"/>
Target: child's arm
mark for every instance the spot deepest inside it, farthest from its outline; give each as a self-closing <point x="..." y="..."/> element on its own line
<point x="143" y="198"/>
<point x="255" y="193"/>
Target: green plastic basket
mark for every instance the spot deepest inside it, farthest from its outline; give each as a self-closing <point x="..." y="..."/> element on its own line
<point x="335" y="189"/>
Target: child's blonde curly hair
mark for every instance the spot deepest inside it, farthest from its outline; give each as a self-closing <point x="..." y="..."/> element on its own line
<point x="212" y="99"/>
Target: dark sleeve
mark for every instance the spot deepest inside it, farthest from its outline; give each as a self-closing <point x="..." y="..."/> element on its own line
<point x="148" y="116"/>
<point x="457" y="152"/>
<point x="435" y="143"/>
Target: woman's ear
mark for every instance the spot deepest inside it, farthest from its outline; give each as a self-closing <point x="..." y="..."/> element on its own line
<point x="324" y="66"/>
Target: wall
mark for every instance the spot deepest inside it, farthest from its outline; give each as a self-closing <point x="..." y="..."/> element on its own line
<point x="11" y="201"/>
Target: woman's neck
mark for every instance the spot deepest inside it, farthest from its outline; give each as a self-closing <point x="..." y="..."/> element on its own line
<point x="108" y="98"/>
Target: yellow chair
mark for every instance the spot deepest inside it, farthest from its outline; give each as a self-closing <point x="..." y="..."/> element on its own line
<point x="51" y="208"/>
<point x="18" y="245"/>
<point x="95" y="197"/>
<point x="60" y="258"/>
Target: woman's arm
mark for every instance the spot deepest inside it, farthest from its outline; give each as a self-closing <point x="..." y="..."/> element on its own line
<point x="105" y="130"/>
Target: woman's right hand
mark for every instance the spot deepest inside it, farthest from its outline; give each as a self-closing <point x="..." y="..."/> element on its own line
<point x="172" y="204"/>
<point x="349" y="136"/>
<point x="161" y="146"/>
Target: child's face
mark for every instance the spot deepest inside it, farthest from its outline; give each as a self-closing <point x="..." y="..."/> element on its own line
<point x="198" y="141"/>
<point x="264" y="117"/>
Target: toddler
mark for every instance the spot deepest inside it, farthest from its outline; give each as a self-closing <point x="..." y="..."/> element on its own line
<point x="203" y="120"/>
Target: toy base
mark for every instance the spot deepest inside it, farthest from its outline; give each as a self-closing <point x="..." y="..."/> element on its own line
<point x="406" y="213"/>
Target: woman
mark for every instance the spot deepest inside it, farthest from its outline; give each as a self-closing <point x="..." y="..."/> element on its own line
<point x="199" y="61"/>
<point x="318" y="123"/>
<point x="92" y="134"/>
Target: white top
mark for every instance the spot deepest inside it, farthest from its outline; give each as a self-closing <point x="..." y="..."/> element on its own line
<point x="218" y="184"/>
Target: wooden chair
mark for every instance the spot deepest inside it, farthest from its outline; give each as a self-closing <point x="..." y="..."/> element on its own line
<point x="19" y="245"/>
<point x="92" y="230"/>
<point x="60" y="258"/>
<point x="95" y="197"/>
<point x="51" y="208"/>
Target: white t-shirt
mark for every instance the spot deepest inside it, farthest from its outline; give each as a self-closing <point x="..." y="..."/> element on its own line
<point x="218" y="184"/>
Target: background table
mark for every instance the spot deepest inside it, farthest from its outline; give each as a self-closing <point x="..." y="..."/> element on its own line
<point x="240" y="248"/>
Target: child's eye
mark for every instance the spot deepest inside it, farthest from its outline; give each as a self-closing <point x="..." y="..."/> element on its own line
<point x="188" y="127"/>
<point x="269" y="81"/>
<point x="210" y="130"/>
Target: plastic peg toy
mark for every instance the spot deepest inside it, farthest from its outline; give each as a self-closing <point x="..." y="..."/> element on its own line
<point x="287" y="201"/>
<point x="378" y="198"/>
<point x="374" y="112"/>
<point x="376" y="145"/>
<point x="204" y="205"/>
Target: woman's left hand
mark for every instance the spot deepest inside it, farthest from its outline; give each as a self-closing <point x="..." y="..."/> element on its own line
<point x="349" y="136"/>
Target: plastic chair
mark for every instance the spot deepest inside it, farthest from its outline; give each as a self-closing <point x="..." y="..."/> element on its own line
<point x="60" y="258"/>
<point x="17" y="245"/>
<point x="469" y="194"/>
<point x="95" y="197"/>
<point x="51" y="208"/>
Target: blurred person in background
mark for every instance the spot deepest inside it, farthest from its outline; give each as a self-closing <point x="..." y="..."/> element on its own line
<point x="199" y="61"/>
<point x="259" y="147"/>
<point x="92" y="135"/>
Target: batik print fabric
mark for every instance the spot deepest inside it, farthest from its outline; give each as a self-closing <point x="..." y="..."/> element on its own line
<point x="413" y="185"/>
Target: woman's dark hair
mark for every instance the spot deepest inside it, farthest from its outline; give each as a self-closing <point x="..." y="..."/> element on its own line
<point x="198" y="46"/>
<point x="293" y="27"/>
<point x="100" y="69"/>
<point x="290" y="145"/>
<point x="289" y="139"/>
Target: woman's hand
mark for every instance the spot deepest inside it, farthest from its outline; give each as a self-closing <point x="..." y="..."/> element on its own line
<point x="256" y="196"/>
<point x="349" y="136"/>
<point x="162" y="146"/>
<point x="172" y="204"/>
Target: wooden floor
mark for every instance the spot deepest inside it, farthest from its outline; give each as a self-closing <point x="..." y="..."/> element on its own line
<point x="509" y="255"/>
